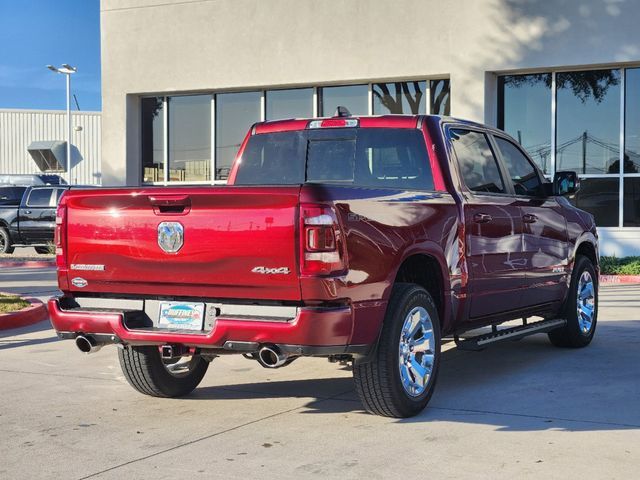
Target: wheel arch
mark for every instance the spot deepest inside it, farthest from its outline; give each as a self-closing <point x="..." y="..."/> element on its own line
<point x="588" y="250"/>
<point x="425" y="270"/>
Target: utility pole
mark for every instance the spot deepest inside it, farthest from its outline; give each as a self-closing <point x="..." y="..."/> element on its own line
<point x="584" y="152"/>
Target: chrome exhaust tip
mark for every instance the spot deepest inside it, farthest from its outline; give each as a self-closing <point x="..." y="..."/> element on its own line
<point x="272" y="357"/>
<point x="87" y="344"/>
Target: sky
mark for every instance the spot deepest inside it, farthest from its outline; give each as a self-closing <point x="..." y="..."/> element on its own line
<point x="36" y="33"/>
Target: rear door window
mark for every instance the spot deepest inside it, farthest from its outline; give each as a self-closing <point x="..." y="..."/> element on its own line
<point x="40" y="197"/>
<point x="478" y="166"/>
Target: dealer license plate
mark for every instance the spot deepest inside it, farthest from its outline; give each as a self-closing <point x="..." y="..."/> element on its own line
<point x="181" y="315"/>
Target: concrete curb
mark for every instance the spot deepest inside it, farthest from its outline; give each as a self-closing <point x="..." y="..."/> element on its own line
<point x="619" y="279"/>
<point x="36" y="312"/>
<point x="27" y="263"/>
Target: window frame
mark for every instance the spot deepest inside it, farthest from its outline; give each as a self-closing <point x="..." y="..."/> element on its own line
<point x="501" y="170"/>
<point x="621" y="176"/>
<point x="541" y="178"/>
<point x="51" y="195"/>
<point x="316" y="108"/>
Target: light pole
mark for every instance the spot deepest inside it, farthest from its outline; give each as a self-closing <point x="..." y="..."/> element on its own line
<point x="67" y="70"/>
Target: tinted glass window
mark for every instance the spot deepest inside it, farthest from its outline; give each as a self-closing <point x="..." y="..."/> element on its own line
<point x="399" y="97"/>
<point x="440" y="97"/>
<point x="478" y="166"/>
<point x="371" y="157"/>
<point x="524" y="176"/>
<point x="6" y="196"/>
<point x="297" y="103"/>
<point x="152" y="136"/>
<point x="331" y="160"/>
<point x="588" y="131"/>
<point x="190" y="138"/>
<point x="354" y="97"/>
<point x="11" y="196"/>
<point x="632" y="122"/>
<point x="631" y="202"/>
<point x="40" y="197"/>
<point x="235" y="113"/>
<point x="59" y="193"/>
<point x="273" y="159"/>
<point x="599" y="196"/>
<point x="525" y="114"/>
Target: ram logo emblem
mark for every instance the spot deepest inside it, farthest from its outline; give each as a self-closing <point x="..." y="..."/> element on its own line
<point x="170" y="236"/>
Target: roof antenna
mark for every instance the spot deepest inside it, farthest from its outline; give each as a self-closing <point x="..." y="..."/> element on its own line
<point x="342" y="112"/>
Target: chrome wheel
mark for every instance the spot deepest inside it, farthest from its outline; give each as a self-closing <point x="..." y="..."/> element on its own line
<point x="585" y="302"/>
<point x="4" y="241"/>
<point x="416" y="352"/>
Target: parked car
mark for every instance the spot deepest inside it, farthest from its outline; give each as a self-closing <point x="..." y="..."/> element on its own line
<point x="362" y="239"/>
<point x="27" y="216"/>
<point x="36" y="179"/>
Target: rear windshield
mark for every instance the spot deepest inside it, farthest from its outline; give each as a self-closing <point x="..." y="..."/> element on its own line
<point x="362" y="157"/>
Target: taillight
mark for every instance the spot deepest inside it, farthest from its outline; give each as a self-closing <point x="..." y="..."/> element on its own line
<point x="334" y="123"/>
<point x="321" y="242"/>
<point x="59" y="236"/>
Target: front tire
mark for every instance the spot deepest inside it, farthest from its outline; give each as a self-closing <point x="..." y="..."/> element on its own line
<point x="145" y="370"/>
<point x="5" y="241"/>
<point x="580" y="308"/>
<point x="400" y="379"/>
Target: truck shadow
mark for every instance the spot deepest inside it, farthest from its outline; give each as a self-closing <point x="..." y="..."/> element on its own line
<point x="514" y="386"/>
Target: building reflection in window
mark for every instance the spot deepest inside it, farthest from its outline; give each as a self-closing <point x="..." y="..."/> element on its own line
<point x="189" y="138"/>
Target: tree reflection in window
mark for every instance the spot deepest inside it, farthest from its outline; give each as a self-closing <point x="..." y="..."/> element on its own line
<point x="440" y="97"/>
<point x="399" y="97"/>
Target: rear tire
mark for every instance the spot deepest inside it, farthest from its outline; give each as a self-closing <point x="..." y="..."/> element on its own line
<point x="145" y="371"/>
<point x="5" y="242"/>
<point x="580" y="309"/>
<point x="400" y="379"/>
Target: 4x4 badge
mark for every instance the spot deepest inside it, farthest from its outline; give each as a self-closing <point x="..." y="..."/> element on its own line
<point x="271" y="271"/>
<point x="170" y="236"/>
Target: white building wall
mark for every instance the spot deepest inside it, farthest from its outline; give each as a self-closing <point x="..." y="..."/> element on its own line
<point x="18" y="128"/>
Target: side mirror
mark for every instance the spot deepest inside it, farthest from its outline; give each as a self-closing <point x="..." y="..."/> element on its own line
<point x="565" y="183"/>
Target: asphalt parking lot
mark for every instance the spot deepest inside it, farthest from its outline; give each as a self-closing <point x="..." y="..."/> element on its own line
<point x="517" y="410"/>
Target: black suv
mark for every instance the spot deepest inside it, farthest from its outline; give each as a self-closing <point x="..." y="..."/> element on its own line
<point x="28" y="216"/>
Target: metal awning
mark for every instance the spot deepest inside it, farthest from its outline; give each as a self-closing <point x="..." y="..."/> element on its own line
<point x="49" y="155"/>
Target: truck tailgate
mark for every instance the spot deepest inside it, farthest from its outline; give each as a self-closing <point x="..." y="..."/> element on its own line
<point x="238" y="242"/>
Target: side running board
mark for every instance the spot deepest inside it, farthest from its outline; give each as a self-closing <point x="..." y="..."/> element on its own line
<point x="515" y="333"/>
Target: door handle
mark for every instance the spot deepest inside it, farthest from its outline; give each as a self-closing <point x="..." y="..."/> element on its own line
<point x="482" y="218"/>
<point x="28" y="212"/>
<point x="170" y="204"/>
<point x="529" y="218"/>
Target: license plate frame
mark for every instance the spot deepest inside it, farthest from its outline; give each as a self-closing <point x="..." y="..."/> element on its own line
<point x="181" y="316"/>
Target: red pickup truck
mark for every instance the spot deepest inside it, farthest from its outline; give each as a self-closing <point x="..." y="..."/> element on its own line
<point x="361" y="239"/>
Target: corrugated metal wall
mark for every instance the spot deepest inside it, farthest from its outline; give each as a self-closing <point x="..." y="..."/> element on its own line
<point x="18" y="128"/>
